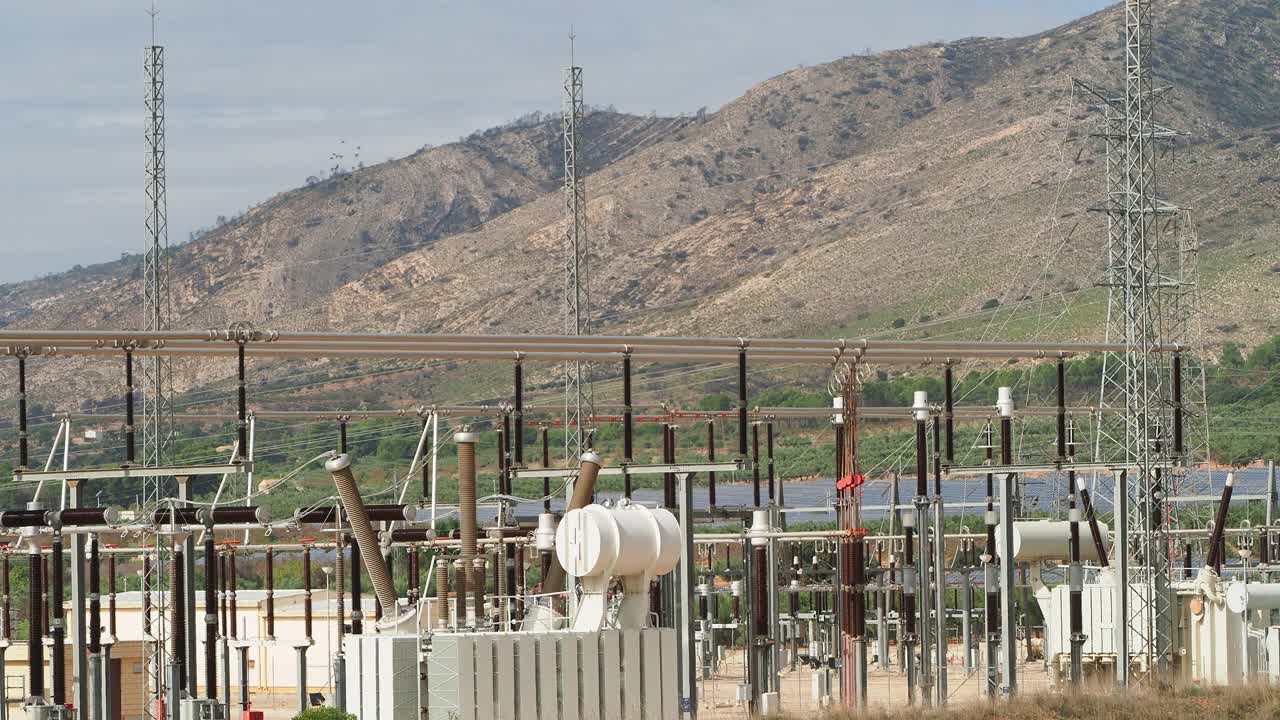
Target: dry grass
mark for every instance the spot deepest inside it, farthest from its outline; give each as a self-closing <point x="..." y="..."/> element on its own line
<point x="1250" y="703"/>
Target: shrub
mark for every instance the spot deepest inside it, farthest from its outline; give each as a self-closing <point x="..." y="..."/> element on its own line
<point x="323" y="713"/>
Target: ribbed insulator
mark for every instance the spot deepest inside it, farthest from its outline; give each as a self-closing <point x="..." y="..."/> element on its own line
<point x="467" y="497"/>
<point x="461" y="576"/>
<point x="370" y="552"/>
<point x="442" y="592"/>
<point x="340" y="578"/>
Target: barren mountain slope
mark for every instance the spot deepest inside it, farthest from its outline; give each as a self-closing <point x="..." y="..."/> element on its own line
<point x="859" y="195"/>
<point x="966" y="182"/>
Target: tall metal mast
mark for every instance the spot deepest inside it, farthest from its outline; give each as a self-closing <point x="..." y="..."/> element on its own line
<point x="578" y="395"/>
<point x="157" y="373"/>
<point x="1151" y="301"/>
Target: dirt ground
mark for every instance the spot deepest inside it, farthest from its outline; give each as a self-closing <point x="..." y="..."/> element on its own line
<point x="887" y="689"/>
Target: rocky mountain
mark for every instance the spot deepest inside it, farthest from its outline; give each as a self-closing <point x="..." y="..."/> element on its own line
<point x="938" y="190"/>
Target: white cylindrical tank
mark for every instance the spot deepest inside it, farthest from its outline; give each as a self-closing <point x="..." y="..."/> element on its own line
<point x="1253" y="596"/>
<point x="1051" y="540"/>
<point x="544" y="538"/>
<point x="623" y="540"/>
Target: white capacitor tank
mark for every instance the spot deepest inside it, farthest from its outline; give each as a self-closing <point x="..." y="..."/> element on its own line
<point x="624" y="540"/>
<point x="1051" y="540"/>
<point x="1253" y="596"/>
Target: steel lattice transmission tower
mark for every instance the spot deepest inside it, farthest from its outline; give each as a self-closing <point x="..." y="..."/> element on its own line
<point x="578" y="396"/>
<point x="1151" y="278"/>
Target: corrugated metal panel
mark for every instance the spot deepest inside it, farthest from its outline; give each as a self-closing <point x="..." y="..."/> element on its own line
<point x="632" y="676"/>
<point x="670" y="674"/>
<point x="549" y="671"/>
<point x="467" y="679"/>
<point x="527" y="669"/>
<point x="589" y="672"/>
<point x="651" y="679"/>
<point x="485" y="705"/>
<point x="505" y="649"/>
<point x="611" y="682"/>
<point x="570" y="689"/>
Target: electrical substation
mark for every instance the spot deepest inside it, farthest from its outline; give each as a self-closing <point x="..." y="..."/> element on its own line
<point x="1104" y="557"/>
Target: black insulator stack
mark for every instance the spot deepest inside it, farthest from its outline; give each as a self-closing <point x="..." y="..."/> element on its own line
<point x="668" y="481"/>
<point x="922" y="460"/>
<point x="306" y="592"/>
<point x="211" y="617"/>
<point x="1216" y="554"/>
<point x="628" y="423"/>
<point x="242" y="406"/>
<point x="233" y="618"/>
<point x="357" y="619"/>
<point x="177" y="615"/>
<point x="948" y="397"/>
<point x="95" y="598"/>
<point x="755" y="464"/>
<point x="411" y="554"/>
<point x="1178" y="444"/>
<point x="1094" y="530"/>
<point x="22" y="412"/>
<point x="342" y="437"/>
<point x="57" y="630"/>
<point x="44" y="597"/>
<point x="937" y="460"/>
<point x="840" y="469"/>
<point x="223" y="595"/>
<point x="518" y="416"/>
<point x="1062" y="411"/>
<point x="130" y="447"/>
<point x="711" y="457"/>
<point x="742" y="404"/>
<point x="769" y="461"/>
<point x="546" y="481"/>
<point x="35" y="631"/>
<point x="502" y="451"/>
<point x="271" y="593"/>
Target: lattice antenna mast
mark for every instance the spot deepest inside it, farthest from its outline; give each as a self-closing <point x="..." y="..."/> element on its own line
<point x="157" y="372"/>
<point x="578" y="395"/>
<point x="157" y="375"/>
<point x="1142" y="274"/>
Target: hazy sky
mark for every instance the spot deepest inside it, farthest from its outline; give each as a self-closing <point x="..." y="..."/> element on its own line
<point x="261" y="92"/>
